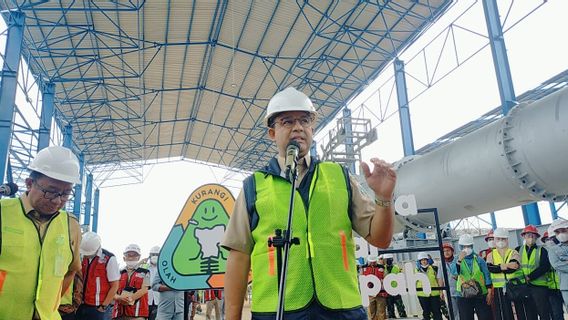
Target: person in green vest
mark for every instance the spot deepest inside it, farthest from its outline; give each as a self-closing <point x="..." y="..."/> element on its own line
<point x="504" y="263"/>
<point x="322" y="275"/>
<point x="473" y="285"/>
<point x="39" y="242"/>
<point x="535" y="266"/>
<point x="430" y="302"/>
<point x="554" y="294"/>
<point x="393" y="301"/>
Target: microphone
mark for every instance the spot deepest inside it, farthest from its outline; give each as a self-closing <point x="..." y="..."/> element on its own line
<point x="8" y="189"/>
<point x="292" y="151"/>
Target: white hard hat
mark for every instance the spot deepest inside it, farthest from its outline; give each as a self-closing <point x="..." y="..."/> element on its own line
<point x="556" y="224"/>
<point x="501" y="233"/>
<point x="288" y="99"/>
<point x="422" y="255"/>
<point x="155" y="250"/>
<point x="90" y="243"/>
<point x="58" y="163"/>
<point x="133" y="248"/>
<point x="466" y="240"/>
<point x="388" y="256"/>
<point x="372" y="258"/>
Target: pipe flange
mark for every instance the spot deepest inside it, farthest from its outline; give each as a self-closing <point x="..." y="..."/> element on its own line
<point x="516" y="167"/>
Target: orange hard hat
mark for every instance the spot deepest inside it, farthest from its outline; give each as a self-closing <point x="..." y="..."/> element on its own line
<point x="489" y="235"/>
<point x="530" y="229"/>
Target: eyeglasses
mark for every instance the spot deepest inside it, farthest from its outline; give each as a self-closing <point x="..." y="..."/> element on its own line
<point x="288" y="123"/>
<point x="50" y="195"/>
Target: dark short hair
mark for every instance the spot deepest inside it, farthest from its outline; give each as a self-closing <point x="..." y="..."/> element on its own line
<point x="34" y="175"/>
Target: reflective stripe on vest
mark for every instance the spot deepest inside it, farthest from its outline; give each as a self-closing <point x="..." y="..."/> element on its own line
<point x="431" y="273"/>
<point x="528" y="265"/>
<point x="140" y="307"/>
<point x="33" y="271"/>
<point x="95" y="281"/>
<point x="498" y="279"/>
<point x="467" y="274"/>
<point x="323" y="264"/>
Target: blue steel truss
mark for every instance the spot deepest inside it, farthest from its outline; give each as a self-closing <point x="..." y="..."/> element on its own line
<point x="135" y="96"/>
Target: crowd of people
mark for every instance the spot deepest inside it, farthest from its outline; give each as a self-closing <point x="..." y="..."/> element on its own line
<point x="103" y="291"/>
<point x="499" y="282"/>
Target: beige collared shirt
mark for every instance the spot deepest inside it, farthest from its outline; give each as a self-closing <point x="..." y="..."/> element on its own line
<point x="42" y="222"/>
<point x="238" y="235"/>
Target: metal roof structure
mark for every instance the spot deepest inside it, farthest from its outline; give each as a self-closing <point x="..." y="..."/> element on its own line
<point x="144" y="80"/>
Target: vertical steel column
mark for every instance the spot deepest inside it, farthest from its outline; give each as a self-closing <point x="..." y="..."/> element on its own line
<point x="8" y="84"/>
<point x="88" y="203"/>
<point x="404" y="115"/>
<point x="348" y="126"/>
<point x="68" y="136"/>
<point x="96" y="211"/>
<point x="79" y="189"/>
<point x="504" y="81"/>
<point x="553" y="211"/>
<point x="403" y="110"/>
<point x="46" y="116"/>
<point x="493" y="220"/>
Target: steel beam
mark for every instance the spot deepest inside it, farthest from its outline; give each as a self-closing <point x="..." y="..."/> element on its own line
<point x="553" y="211"/>
<point x="504" y="81"/>
<point x="403" y="110"/>
<point x="88" y="200"/>
<point x="46" y="115"/>
<point x="347" y="125"/>
<point x="96" y="211"/>
<point x="79" y="189"/>
<point x="9" y="83"/>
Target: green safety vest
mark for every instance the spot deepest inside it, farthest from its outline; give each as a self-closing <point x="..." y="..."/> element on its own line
<point x="498" y="279"/>
<point x="528" y="265"/>
<point x="467" y="274"/>
<point x="67" y="298"/>
<point x="553" y="281"/>
<point x="33" y="269"/>
<point x="322" y="266"/>
<point x="395" y="270"/>
<point x="431" y="273"/>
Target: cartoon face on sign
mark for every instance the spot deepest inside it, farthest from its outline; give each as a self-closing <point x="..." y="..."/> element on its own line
<point x="199" y="250"/>
<point x="192" y="257"/>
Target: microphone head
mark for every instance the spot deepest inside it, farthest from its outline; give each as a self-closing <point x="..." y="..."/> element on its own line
<point x="292" y="145"/>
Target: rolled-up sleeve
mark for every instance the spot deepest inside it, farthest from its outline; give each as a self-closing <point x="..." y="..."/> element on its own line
<point x="238" y="235"/>
<point x="363" y="209"/>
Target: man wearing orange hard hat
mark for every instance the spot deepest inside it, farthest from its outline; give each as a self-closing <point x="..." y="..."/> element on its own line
<point x="535" y="267"/>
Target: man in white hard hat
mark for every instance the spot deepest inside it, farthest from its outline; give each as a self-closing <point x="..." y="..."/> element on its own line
<point x="504" y="264"/>
<point x="393" y="301"/>
<point x="558" y="254"/>
<point x="430" y="303"/>
<point x="131" y="299"/>
<point x="100" y="278"/>
<point x="153" y="296"/>
<point x="377" y="304"/>
<point x="322" y="278"/>
<point x="473" y="285"/>
<point x="37" y="232"/>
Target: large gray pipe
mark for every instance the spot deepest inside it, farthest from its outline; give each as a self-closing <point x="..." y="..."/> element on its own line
<point x="518" y="159"/>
